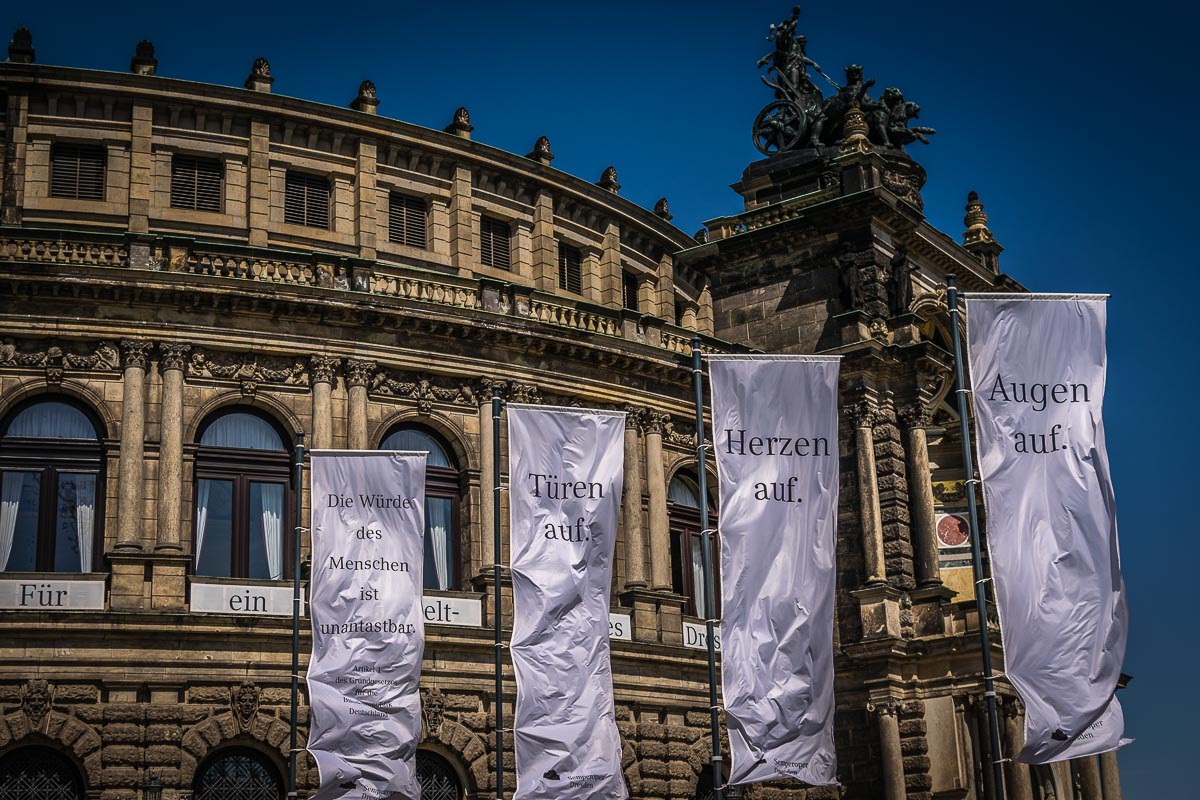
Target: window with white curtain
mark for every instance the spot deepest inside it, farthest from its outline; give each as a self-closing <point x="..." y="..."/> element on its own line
<point x="51" y="488"/>
<point x="242" y="512"/>
<point x="443" y="488"/>
<point x="687" y="563"/>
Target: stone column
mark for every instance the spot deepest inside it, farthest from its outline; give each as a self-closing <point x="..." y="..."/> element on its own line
<point x="258" y="209"/>
<point x="462" y="221"/>
<point x="1110" y="775"/>
<point x="140" y="167"/>
<point x="923" y="529"/>
<point x="664" y="301"/>
<point x="12" y="177"/>
<point x="863" y="414"/>
<point x="631" y="497"/>
<point x="889" y="742"/>
<point x="1088" y="769"/>
<point x="131" y="479"/>
<point x="365" y="223"/>
<point x="358" y="375"/>
<point x="173" y="357"/>
<point x="1019" y="785"/>
<point x="656" y="483"/>
<point x="323" y="370"/>
<point x="545" y="248"/>
<point x="610" y="268"/>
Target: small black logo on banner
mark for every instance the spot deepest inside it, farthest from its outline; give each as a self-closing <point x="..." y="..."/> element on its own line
<point x="551" y="775"/>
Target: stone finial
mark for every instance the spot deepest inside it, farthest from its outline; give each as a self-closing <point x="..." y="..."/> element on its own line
<point x="978" y="238"/>
<point x="854" y="125"/>
<point x="20" y="47"/>
<point x="541" y="151"/>
<point x="260" y="79"/>
<point x="608" y="180"/>
<point x="701" y="236"/>
<point x="661" y="209"/>
<point x="144" y="62"/>
<point x="367" y="100"/>
<point x="461" y="124"/>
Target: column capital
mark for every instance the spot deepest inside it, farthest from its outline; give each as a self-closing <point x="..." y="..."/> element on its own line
<point x="324" y="369"/>
<point x="136" y="352"/>
<point x="635" y="417"/>
<point x="655" y="421"/>
<point x="915" y="414"/>
<point x="863" y="412"/>
<point x="1011" y="705"/>
<point x="173" y="355"/>
<point x="884" y="708"/>
<point x="359" y="371"/>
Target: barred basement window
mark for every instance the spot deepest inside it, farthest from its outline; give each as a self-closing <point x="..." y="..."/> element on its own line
<point x="570" y="268"/>
<point x="196" y="183"/>
<point x="406" y="220"/>
<point x="494" y="246"/>
<point x="629" y="291"/>
<point x="77" y="171"/>
<point x="306" y="200"/>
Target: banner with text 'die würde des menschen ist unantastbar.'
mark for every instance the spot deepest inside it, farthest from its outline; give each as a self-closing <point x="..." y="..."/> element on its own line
<point x="565" y="468"/>
<point x="775" y="432"/>
<point x="1037" y="378"/>
<point x="368" y="527"/>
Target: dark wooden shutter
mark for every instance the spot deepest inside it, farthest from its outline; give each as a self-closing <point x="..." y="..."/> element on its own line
<point x="629" y="291"/>
<point x="306" y="200"/>
<point x="494" y="248"/>
<point x="570" y="269"/>
<point x="406" y="220"/>
<point x="77" y="171"/>
<point x="196" y="183"/>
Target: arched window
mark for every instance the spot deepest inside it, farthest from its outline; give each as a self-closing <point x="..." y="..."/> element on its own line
<point x="687" y="563"/>
<point x="51" y="488"/>
<point x="242" y="519"/>
<point x="238" y="773"/>
<point x="443" y="488"/>
<point x="437" y="778"/>
<point x="38" y="773"/>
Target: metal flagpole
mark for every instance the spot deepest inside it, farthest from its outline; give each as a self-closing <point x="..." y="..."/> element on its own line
<point x="985" y="644"/>
<point x="298" y="479"/>
<point x="497" y="616"/>
<point x="709" y="583"/>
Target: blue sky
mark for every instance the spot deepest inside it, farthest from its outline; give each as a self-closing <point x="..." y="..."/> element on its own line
<point x="1072" y="120"/>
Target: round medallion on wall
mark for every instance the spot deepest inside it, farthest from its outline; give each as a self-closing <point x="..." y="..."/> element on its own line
<point x="952" y="531"/>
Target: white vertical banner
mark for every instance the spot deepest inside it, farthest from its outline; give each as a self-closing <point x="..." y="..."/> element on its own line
<point x="368" y="534"/>
<point x="1037" y="378"/>
<point x="565" y="468"/>
<point x="775" y="432"/>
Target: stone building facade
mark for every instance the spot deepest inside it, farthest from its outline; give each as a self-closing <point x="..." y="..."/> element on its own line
<point x="192" y="275"/>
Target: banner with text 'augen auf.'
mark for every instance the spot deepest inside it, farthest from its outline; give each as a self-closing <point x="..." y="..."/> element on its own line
<point x="368" y="527"/>
<point x="775" y="429"/>
<point x="565" y="468"/>
<point x="1037" y="378"/>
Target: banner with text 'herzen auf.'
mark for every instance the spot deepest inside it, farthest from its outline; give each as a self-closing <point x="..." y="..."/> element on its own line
<point x="775" y="429"/>
<point x="565" y="468"/>
<point x="368" y="526"/>
<point x="1037" y="377"/>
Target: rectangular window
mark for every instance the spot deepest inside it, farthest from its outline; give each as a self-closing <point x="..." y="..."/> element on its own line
<point x="494" y="245"/>
<point x="196" y="183"/>
<point x="306" y="200"/>
<point x="570" y="268"/>
<point x="629" y="291"/>
<point x="406" y="220"/>
<point x="77" y="171"/>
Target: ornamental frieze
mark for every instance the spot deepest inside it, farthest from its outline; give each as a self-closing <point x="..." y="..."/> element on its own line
<point x="248" y="368"/>
<point x="56" y="357"/>
<point x="423" y="389"/>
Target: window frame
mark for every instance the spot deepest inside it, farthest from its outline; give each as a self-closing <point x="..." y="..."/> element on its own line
<point x="446" y="483"/>
<point x="307" y="181"/>
<point x="630" y="281"/>
<point x="683" y="524"/>
<point x="568" y="270"/>
<point x="407" y="203"/>
<point x="49" y="458"/>
<point x="57" y="149"/>
<point x="194" y="189"/>
<point x="243" y="466"/>
<point x="488" y="229"/>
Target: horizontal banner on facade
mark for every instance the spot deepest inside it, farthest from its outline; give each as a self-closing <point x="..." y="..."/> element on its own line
<point x="620" y="626"/>
<point x="696" y="637"/>
<point x="40" y="595"/>
<point x="230" y="598"/>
